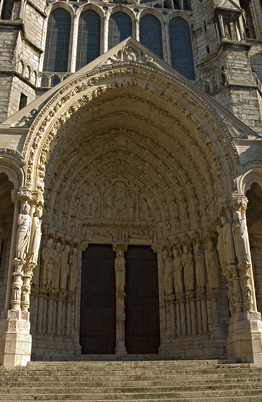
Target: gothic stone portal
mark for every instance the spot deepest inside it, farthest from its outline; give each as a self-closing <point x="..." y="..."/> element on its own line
<point x="119" y="301"/>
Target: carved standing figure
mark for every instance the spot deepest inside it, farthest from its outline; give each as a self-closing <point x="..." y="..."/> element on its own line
<point x="23" y="232"/>
<point x="128" y="211"/>
<point x="228" y="244"/>
<point x="64" y="271"/>
<point x="200" y="266"/>
<point x="177" y="270"/>
<point x="212" y="265"/>
<point x="73" y="270"/>
<point x="188" y="264"/>
<point x="220" y="249"/>
<point x="56" y="266"/>
<point x="120" y="271"/>
<point x="241" y="240"/>
<point x="168" y="273"/>
<point x="47" y="263"/>
<point x="144" y="210"/>
<point x="35" y="236"/>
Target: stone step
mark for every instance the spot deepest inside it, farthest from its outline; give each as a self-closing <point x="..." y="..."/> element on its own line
<point x="127" y="389"/>
<point x="131" y="396"/>
<point x="141" y="382"/>
<point x="131" y="381"/>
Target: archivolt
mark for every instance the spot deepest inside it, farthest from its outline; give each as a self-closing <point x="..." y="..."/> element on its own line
<point x="135" y="122"/>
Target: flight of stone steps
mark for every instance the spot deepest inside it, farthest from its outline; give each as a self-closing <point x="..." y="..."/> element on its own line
<point x="132" y="381"/>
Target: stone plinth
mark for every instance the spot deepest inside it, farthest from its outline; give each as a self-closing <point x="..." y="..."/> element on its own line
<point x="15" y="340"/>
<point x="244" y="342"/>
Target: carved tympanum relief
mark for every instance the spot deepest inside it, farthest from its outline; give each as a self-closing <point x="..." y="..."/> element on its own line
<point x="119" y="203"/>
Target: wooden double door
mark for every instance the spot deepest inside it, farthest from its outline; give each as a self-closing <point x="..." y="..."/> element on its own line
<point x="98" y="301"/>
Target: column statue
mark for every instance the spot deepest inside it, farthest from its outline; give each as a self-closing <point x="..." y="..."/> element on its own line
<point x="23" y="233"/>
<point x="221" y="252"/>
<point x="241" y="241"/>
<point x="56" y="254"/>
<point x="177" y="271"/>
<point x="228" y="243"/>
<point x="120" y="271"/>
<point x="64" y="271"/>
<point x="188" y="264"/>
<point x="200" y="266"/>
<point x="73" y="263"/>
<point x="47" y="263"/>
<point x="211" y="265"/>
<point x="168" y="273"/>
<point x="35" y="236"/>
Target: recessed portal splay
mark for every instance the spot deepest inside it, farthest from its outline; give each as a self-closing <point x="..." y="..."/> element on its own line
<point x="98" y="301"/>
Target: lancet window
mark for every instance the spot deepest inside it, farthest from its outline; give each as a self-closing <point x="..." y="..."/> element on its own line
<point x="181" y="47"/>
<point x="57" y="41"/>
<point x="88" y="45"/>
<point x="151" y="34"/>
<point x="120" y="28"/>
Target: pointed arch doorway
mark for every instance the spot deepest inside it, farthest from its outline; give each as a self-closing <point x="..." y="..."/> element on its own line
<point x="98" y="323"/>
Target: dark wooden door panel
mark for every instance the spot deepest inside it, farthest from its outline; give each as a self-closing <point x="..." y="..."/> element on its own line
<point x="98" y="317"/>
<point x="142" y="301"/>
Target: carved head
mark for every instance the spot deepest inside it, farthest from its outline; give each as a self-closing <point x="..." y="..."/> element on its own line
<point x="223" y="220"/>
<point x="58" y="246"/>
<point x="237" y="216"/>
<point x="165" y="253"/>
<point x="26" y="208"/>
<point x="210" y="244"/>
<point x="39" y="212"/>
<point x="50" y="242"/>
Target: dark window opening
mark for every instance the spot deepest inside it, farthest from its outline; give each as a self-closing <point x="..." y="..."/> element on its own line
<point x="7" y="10"/>
<point x="120" y="28"/>
<point x="181" y="47"/>
<point x="151" y="34"/>
<point x="88" y="45"/>
<point x="248" y="19"/>
<point x="57" y="41"/>
<point x="23" y="101"/>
